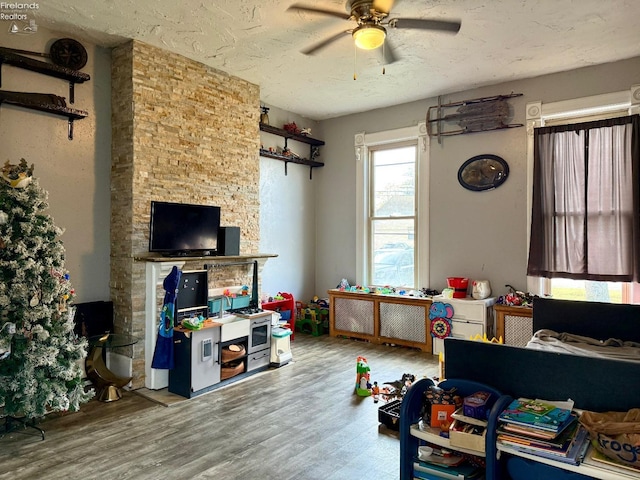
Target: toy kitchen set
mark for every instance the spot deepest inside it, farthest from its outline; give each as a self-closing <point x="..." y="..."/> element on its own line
<point x="234" y="341"/>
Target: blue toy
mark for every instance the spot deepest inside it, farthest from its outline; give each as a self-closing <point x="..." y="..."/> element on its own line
<point x="440" y="315"/>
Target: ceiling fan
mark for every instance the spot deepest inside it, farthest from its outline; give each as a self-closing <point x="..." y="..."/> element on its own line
<point x="372" y="18"/>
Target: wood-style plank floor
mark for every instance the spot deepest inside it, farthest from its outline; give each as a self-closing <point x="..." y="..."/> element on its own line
<point x="301" y="421"/>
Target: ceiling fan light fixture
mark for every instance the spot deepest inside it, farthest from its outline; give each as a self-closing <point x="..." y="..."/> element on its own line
<point x="369" y="37"/>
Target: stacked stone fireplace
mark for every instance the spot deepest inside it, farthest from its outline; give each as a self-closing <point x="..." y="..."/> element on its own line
<point x="181" y="132"/>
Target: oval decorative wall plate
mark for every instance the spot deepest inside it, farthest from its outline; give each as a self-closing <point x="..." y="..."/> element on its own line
<point x="483" y="172"/>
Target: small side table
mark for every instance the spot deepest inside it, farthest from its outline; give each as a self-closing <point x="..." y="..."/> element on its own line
<point x="107" y="383"/>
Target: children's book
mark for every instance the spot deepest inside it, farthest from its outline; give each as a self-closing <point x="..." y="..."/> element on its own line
<point x="558" y="446"/>
<point x="536" y="414"/>
<point x="574" y="454"/>
<point x="543" y="437"/>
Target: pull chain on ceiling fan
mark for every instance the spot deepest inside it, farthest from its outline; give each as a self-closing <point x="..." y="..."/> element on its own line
<point x="371" y="19"/>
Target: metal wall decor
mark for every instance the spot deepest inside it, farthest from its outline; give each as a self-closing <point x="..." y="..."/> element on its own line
<point x="483" y="172"/>
<point x="475" y="115"/>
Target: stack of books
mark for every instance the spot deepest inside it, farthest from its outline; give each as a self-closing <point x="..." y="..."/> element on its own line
<point x="540" y="428"/>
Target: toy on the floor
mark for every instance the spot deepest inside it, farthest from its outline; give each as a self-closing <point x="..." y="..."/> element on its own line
<point x="398" y="388"/>
<point x="375" y="390"/>
<point x="363" y="387"/>
<point x="313" y="317"/>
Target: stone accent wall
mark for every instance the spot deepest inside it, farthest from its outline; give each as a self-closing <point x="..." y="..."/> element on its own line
<point x="181" y="132"/>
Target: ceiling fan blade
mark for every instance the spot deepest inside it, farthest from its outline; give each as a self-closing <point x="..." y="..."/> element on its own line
<point x="388" y="53"/>
<point x="383" y="6"/>
<point x="322" y="11"/>
<point x="319" y="46"/>
<point x="424" y="24"/>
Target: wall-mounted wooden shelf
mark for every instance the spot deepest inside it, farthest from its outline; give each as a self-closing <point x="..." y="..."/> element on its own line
<point x="314" y="146"/>
<point x="9" y="57"/>
<point x="71" y="113"/>
<point x="72" y="76"/>
<point x="294" y="136"/>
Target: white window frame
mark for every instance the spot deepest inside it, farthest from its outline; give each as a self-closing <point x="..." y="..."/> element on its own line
<point x="538" y="114"/>
<point x="363" y="143"/>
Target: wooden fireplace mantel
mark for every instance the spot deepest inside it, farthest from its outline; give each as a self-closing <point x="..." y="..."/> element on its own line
<point x="208" y="259"/>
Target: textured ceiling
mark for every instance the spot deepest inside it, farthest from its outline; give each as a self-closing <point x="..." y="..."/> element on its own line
<point x="260" y="41"/>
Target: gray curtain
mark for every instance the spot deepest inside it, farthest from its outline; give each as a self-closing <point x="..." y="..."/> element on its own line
<point x="585" y="219"/>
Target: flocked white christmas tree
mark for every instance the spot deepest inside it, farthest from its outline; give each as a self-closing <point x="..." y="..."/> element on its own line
<point x="39" y="352"/>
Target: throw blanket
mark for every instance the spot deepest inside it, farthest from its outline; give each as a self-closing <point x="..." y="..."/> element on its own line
<point x="586" y="346"/>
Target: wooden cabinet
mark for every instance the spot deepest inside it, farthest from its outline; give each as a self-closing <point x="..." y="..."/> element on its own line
<point x="314" y="149"/>
<point x="393" y="319"/>
<point x="514" y="324"/>
<point x="471" y="317"/>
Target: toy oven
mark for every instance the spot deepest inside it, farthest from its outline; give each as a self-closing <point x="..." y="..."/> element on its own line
<point x="260" y="333"/>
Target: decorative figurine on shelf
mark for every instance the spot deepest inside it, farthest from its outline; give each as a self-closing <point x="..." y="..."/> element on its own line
<point x="315" y="153"/>
<point x="264" y="115"/>
<point x="292" y="128"/>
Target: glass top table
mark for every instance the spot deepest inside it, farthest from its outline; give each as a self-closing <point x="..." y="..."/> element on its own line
<point x="108" y="384"/>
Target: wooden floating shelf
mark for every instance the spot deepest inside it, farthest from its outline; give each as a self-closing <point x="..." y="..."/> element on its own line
<point x="11" y="58"/>
<point x="293" y="136"/>
<point x="287" y="158"/>
<point x="71" y="113"/>
<point x="314" y="147"/>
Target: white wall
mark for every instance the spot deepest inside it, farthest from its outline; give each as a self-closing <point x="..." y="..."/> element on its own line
<point x="75" y="173"/>
<point x="472" y="234"/>
<point x="287" y="213"/>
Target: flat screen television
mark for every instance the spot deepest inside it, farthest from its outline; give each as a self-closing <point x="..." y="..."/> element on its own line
<point x="180" y="229"/>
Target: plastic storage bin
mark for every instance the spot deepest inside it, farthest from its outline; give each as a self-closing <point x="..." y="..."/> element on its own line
<point x="389" y="414"/>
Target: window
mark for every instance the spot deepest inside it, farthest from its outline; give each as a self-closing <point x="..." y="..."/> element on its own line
<point x="392" y="228"/>
<point x="568" y="289"/>
<point x="392" y="190"/>
<point x="586" y="223"/>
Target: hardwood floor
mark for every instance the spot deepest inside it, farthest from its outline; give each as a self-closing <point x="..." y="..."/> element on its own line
<point x="301" y="421"/>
